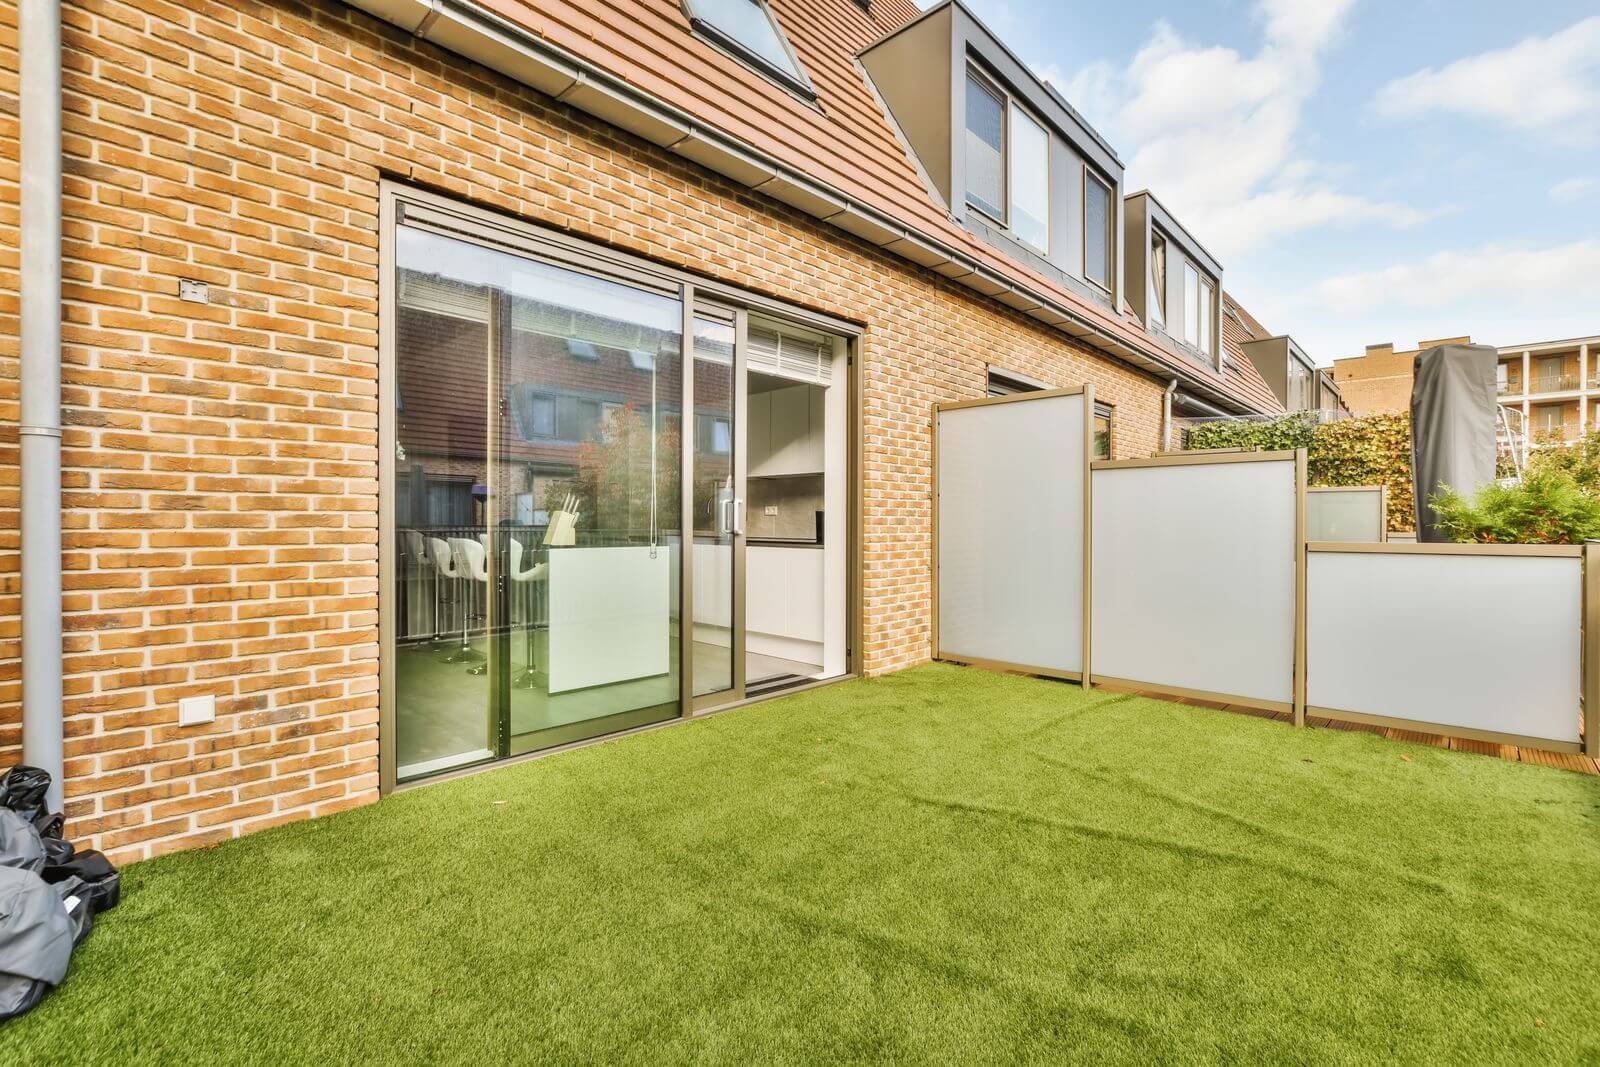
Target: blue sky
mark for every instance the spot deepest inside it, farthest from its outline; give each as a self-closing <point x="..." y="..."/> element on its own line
<point x="1366" y="170"/>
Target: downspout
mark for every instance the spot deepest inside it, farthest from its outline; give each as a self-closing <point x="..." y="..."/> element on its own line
<point x="1166" y="415"/>
<point x="39" y="422"/>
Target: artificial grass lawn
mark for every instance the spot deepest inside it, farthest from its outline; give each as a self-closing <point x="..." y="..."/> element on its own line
<point x="942" y="864"/>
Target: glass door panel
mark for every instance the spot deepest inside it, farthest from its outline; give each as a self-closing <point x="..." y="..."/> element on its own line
<point x="718" y="640"/>
<point x="537" y="501"/>
<point x="589" y="507"/>
<point x="443" y="711"/>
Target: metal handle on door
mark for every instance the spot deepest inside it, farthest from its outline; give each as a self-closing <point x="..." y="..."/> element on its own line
<point x="738" y="517"/>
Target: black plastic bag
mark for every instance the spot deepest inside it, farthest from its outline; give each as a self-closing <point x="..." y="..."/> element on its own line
<point x="23" y="790"/>
<point x="101" y="885"/>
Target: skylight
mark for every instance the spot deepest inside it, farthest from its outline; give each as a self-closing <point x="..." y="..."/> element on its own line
<point x="748" y="28"/>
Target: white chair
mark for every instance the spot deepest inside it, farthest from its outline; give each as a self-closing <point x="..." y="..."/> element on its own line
<point x="444" y="565"/>
<point x="418" y="572"/>
<point x="472" y="566"/>
<point x="524" y="579"/>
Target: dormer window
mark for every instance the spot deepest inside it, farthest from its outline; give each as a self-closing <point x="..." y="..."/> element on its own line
<point x="1008" y="163"/>
<point x="986" y="155"/>
<point x="1158" y="280"/>
<point x="1097" y="217"/>
<point x="751" y="32"/>
<point x="1003" y="151"/>
<point x="1030" y="180"/>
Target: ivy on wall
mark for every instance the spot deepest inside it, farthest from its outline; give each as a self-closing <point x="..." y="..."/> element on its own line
<point x="1371" y="450"/>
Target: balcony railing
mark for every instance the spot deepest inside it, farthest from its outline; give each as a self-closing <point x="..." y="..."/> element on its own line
<point x="1510" y="388"/>
<point x="1554" y="383"/>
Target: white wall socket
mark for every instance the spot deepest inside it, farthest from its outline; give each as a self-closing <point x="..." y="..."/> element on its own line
<point x="193" y="711"/>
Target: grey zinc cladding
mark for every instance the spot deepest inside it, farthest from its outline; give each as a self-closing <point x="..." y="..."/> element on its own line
<point x="920" y="72"/>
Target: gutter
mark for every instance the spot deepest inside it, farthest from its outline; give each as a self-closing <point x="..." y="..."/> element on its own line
<point x="39" y="422"/>
<point x="468" y="29"/>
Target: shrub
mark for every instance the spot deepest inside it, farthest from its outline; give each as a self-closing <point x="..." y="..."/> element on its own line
<point x="1580" y="459"/>
<point x="1548" y="507"/>
<point x="1290" y="431"/>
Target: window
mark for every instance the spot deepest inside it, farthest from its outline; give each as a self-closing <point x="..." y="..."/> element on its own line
<point x="715" y="434"/>
<point x="1548" y="375"/>
<point x="1207" y="298"/>
<point x="1191" y="304"/>
<point x="1097" y="216"/>
<point x="1158" y="280"/>
<point x="986" y="164"/>
<point x="1030" y="180"/>
<point x="533" y="412"/>
<point x="1549" y="418"/>
<point x="748" y="29"/>
<point x="1299" y="398"/>
<point x="1102" y="431"/>
<point x="1005" y="383"/>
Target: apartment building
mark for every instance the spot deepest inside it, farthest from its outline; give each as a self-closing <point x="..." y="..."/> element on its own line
<point x="446" y="382"/>
<point x="1551" y="389"/>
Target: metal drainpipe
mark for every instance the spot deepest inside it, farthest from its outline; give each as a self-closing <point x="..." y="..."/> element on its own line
<point x="39" y="425"/>
<point x="1166" y="415"/>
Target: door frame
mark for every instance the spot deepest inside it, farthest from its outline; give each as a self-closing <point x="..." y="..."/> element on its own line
<point x="400" y="203"/>
<point x="717" y="311"/>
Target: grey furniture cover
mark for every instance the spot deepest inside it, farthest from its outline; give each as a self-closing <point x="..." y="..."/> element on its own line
<point x="1452" y="426"/>
<point x="20" y="845"/>
<point x="36" y="938"/>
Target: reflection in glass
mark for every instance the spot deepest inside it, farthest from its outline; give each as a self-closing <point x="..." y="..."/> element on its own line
<point x="713" y="503"/>
<point x="557" y="504"/>
<point x="441" y="486"/>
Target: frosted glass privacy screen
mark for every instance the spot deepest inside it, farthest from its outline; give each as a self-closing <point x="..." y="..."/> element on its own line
<point x="1010" y="532"/>
<point x="1476" y="641"/>
<point x="1193" y="571"/>
<point x="1345" y="514"/>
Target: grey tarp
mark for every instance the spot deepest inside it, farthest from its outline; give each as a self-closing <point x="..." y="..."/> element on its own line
<point x="20" y="845"/>
<point x="36" y="936"/>
<point x="1452" y="426"/>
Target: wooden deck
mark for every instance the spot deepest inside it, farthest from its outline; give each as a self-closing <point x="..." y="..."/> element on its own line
<point x="1566" y="761"/>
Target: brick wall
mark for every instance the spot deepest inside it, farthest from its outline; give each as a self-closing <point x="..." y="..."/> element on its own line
<point x="10" y="666"/>
<point x="220" y="460"/>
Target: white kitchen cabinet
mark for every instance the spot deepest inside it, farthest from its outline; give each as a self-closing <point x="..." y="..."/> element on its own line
<point x="786" y="432"/>
<point x="759" y="432"/>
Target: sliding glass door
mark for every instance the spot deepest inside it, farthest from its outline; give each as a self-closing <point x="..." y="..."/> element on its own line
<point x="571" y="445"/>
<point x="537" y="503"/>
<point x="718" y="507"/>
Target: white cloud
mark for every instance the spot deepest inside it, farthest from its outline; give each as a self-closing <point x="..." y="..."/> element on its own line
<point x="1505" y="275"/>
<point x="1574" y="189"/>
<point x="1499" y="294"/>
<point x="1218" y="130"/>
<point x="1549" y="84"/>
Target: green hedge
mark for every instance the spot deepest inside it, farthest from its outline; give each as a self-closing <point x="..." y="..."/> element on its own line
<point x="1291" y="431"/>
<point x="1372" y="450"/>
